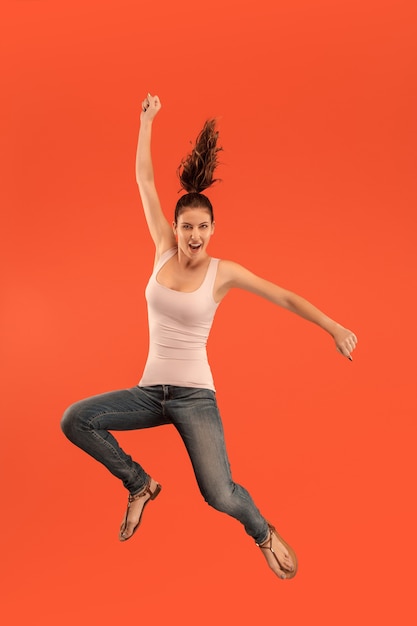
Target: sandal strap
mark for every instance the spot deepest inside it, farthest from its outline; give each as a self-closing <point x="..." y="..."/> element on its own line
<point x="269" y="547"/>
<point x="145" y="490"/>
<point x="268" y="539"/>
<point x="136" y="496"/>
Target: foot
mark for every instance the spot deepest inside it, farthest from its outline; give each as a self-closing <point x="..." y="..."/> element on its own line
<point x="135" y="507"/>
<point x="280" y="557"/>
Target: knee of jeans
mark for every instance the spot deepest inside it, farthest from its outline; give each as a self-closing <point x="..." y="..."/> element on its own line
<point x="221" y="500"/>
<point x="71" y="421"/>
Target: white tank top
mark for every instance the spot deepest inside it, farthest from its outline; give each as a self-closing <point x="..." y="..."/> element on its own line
<point x="179" y="326"/>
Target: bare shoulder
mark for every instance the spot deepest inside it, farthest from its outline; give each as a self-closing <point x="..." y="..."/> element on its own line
<point x="232" y="275"/>
<point x="225" y="271"/>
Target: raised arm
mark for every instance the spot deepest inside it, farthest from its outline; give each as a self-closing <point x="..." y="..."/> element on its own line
<point x="234" y="275"/>
<point x="159" y="227"/>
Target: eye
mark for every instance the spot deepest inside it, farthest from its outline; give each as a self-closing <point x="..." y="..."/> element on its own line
<point x="204" y="225"/>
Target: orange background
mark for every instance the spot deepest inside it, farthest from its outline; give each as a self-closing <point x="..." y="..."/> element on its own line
<point x="316" y="102"/>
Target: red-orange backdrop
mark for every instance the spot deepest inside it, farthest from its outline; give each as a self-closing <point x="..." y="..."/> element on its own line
<point x="316" y="102"/>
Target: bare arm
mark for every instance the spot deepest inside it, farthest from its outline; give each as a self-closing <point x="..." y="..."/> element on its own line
<point x="234" y="275"/>
<point x="159" y="227"/>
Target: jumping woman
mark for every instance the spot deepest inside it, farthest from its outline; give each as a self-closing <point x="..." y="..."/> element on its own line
<point x="183" y="293"/>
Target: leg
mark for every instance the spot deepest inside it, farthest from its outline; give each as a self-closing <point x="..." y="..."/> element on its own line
<point x="86" y="424"/>
<point x="195" y="414"/>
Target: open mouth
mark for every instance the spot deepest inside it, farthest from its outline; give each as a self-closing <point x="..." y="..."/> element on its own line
<point x="194" y="246"/>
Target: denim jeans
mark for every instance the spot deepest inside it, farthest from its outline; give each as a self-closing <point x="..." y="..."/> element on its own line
<point x="194" y="413"/>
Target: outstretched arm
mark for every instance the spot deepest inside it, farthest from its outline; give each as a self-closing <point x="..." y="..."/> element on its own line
<point x="234" y="275"/>
<point x="159" y="227"/>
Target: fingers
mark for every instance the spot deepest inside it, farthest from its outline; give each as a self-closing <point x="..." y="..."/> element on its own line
<point x="351" y="343"/>
<point x="151" y="104"/>
<point x="347" y="344"/>
<point x="146" y="103"/>
<point x="345" y="352"/>
<point x="353" y="340"/>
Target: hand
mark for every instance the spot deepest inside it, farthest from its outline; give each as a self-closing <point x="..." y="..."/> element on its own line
<point x="345" y="341"/>
<point x="150" y="107"/>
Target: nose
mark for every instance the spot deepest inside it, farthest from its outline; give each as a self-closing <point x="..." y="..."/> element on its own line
<point x="195" y="235"/>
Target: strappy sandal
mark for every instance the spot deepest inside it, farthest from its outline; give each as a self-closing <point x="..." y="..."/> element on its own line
<point x="133" y="498"/>
<point x="267" y="545"/>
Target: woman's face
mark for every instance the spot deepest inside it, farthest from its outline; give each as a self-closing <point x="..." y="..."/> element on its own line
<point x="193" y="231"/>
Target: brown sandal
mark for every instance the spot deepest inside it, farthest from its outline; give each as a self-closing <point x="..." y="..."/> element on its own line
<point x="267" y="545"/>
<point x="132" y="498"/>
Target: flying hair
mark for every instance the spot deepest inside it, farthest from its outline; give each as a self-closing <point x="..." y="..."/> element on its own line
<point x="196" y="171"/>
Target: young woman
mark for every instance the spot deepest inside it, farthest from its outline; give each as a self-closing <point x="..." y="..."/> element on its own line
<point x="176" y="387"/>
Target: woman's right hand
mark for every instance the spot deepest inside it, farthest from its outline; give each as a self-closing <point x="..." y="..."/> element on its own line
<point x="150" y="107"/>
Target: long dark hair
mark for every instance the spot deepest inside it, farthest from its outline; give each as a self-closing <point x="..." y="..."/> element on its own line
<point x="196" y="171"/>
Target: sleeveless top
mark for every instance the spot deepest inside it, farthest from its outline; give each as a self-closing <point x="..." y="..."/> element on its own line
<point x="179" y="326"/>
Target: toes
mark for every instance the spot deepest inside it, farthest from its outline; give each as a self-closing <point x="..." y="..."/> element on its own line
<point x="284" y="558"/>
<point x="284" y="563"/>
<point x="132" y="518"/>
<point x="277" y="570"/>
<point x="287" y="563"/>
<point x="273" y="562"/>
<point x="129" y="527"/>
<point x="127" y="530"/>
<point x="123" y="534"/>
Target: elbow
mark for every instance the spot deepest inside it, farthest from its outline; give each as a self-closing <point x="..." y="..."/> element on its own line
<point x="290" y="301"/>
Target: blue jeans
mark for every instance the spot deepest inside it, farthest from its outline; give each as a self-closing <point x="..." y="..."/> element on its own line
<point x="194" y="413"/>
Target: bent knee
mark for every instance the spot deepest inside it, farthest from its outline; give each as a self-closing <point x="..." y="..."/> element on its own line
<point x="71" y="421"/>
<point x="221" y="500"/>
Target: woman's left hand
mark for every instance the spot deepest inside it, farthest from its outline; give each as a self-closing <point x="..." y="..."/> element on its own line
<point x="345" y="341"/>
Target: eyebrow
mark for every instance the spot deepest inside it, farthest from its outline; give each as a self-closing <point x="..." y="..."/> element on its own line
<point x="200" y="224"/>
